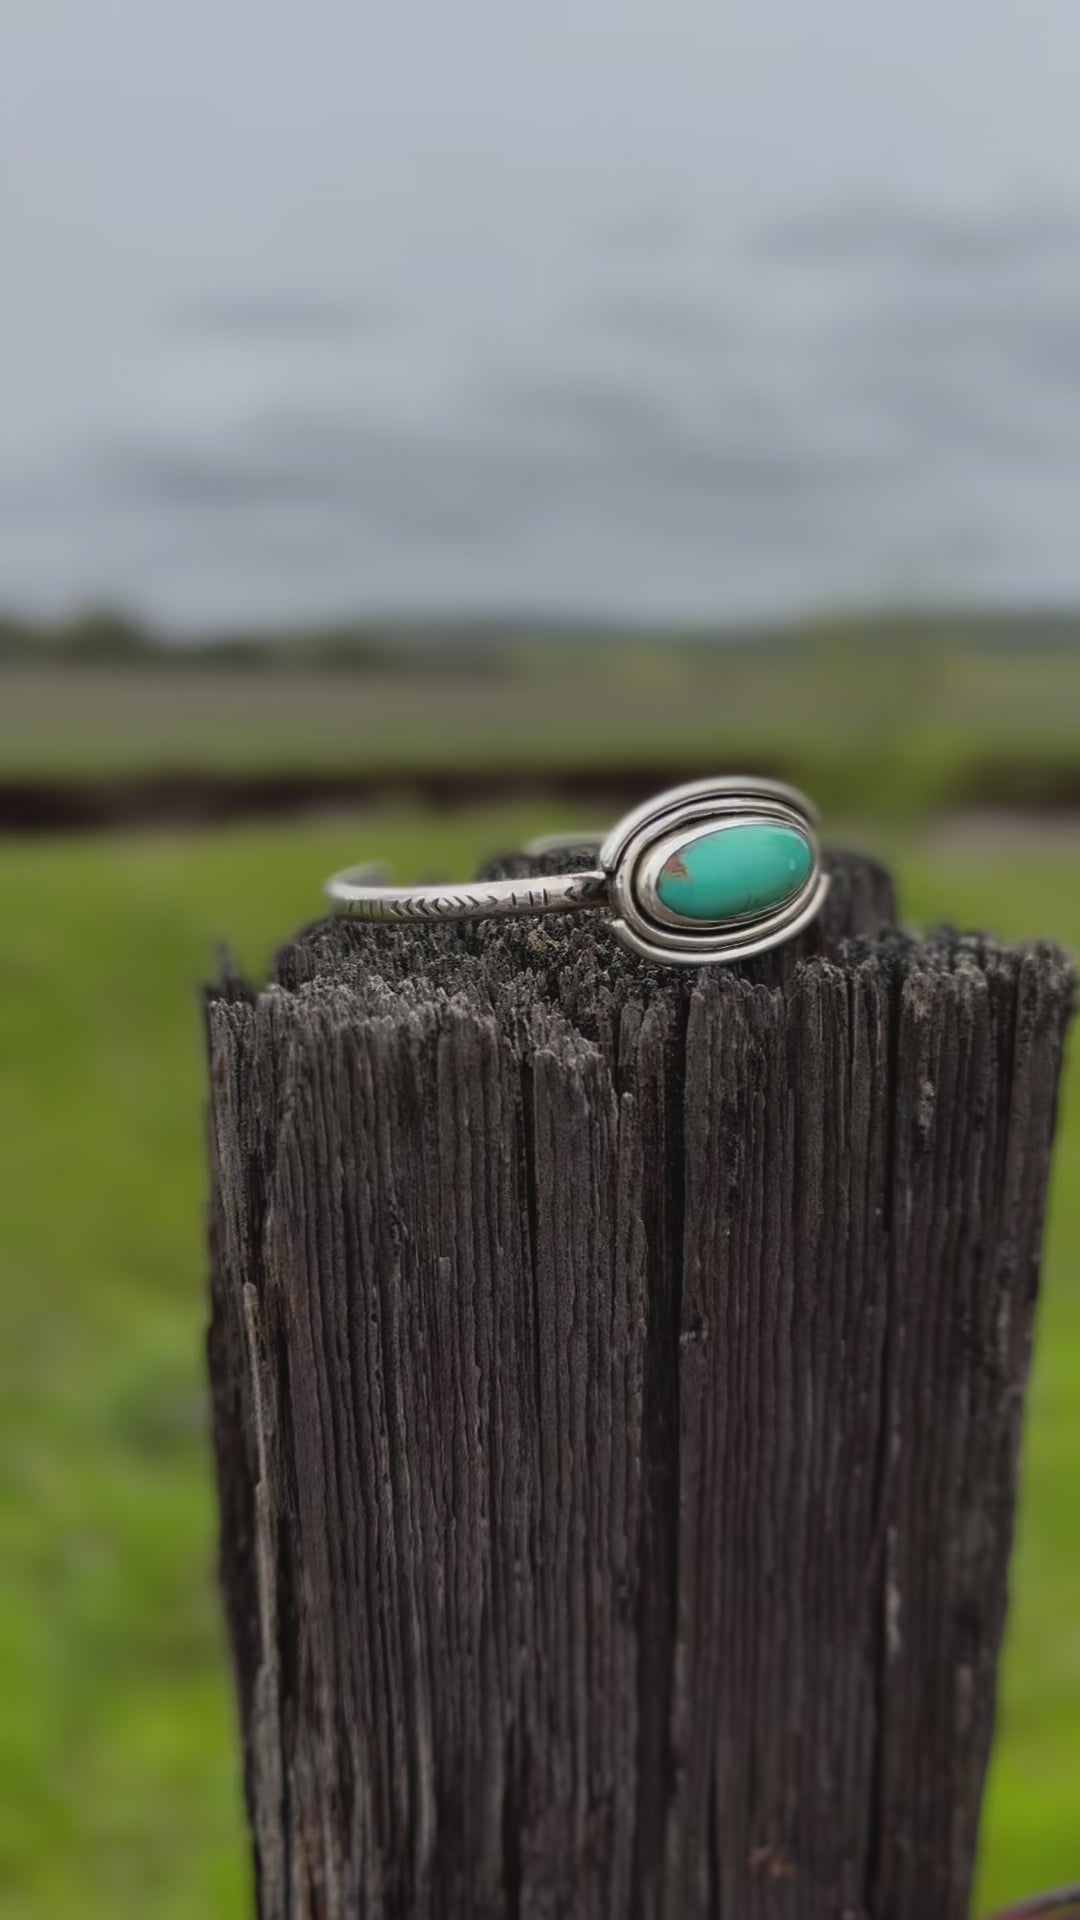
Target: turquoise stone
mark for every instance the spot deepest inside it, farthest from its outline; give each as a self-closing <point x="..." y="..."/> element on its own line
<point x="735" y="871"/>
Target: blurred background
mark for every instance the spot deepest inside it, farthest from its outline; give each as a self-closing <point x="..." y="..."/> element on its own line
<point x="417" y="432"/>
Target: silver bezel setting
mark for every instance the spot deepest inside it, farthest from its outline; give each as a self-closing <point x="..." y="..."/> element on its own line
<point x="635" y="851"/>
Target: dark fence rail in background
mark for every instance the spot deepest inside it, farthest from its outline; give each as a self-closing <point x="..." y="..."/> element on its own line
<point x="94" y="805"/>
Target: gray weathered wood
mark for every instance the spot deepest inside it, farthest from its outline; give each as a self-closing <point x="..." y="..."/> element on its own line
<point x="617" y="1380"/>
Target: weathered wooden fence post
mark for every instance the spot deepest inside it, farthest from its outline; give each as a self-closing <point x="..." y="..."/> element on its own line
<point x="618" y="1380"/>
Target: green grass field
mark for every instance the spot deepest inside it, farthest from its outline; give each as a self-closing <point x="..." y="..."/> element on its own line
<point x="918" y="728"/>
<point x="119" y="1789"/>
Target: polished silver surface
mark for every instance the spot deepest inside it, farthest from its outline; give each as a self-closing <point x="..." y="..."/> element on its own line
<point x="624" y="883"/>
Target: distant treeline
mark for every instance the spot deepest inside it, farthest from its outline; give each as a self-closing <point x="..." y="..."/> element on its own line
<point x="113" y="639"/>
<point x="103" y="637"/>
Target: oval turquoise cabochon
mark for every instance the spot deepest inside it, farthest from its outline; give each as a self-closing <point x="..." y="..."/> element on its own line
<point x="734" y="871"/>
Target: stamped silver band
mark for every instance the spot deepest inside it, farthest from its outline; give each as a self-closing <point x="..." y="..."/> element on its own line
<point x="365" y="892"/>
<point x="717" y="870"/>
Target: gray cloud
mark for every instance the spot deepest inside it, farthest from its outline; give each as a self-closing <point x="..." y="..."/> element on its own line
<point x="725" y="447"/>
<point x="817" y="445"/>
<point x="650" y="232"/>
<point x="986" y="374"/>
<point x="658" y="318"/>
<point x="875" y="233"/>
<point x="754" y="352"/>
<point x="535" y="450"/>
<point x="278" y="317"/>
<point x="430" y="483"/>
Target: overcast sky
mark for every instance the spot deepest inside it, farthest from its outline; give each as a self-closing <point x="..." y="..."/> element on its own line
<point x="694" y="306"/>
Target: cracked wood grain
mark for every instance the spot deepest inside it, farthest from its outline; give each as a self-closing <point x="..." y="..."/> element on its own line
<point x="617" y="1381"/>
